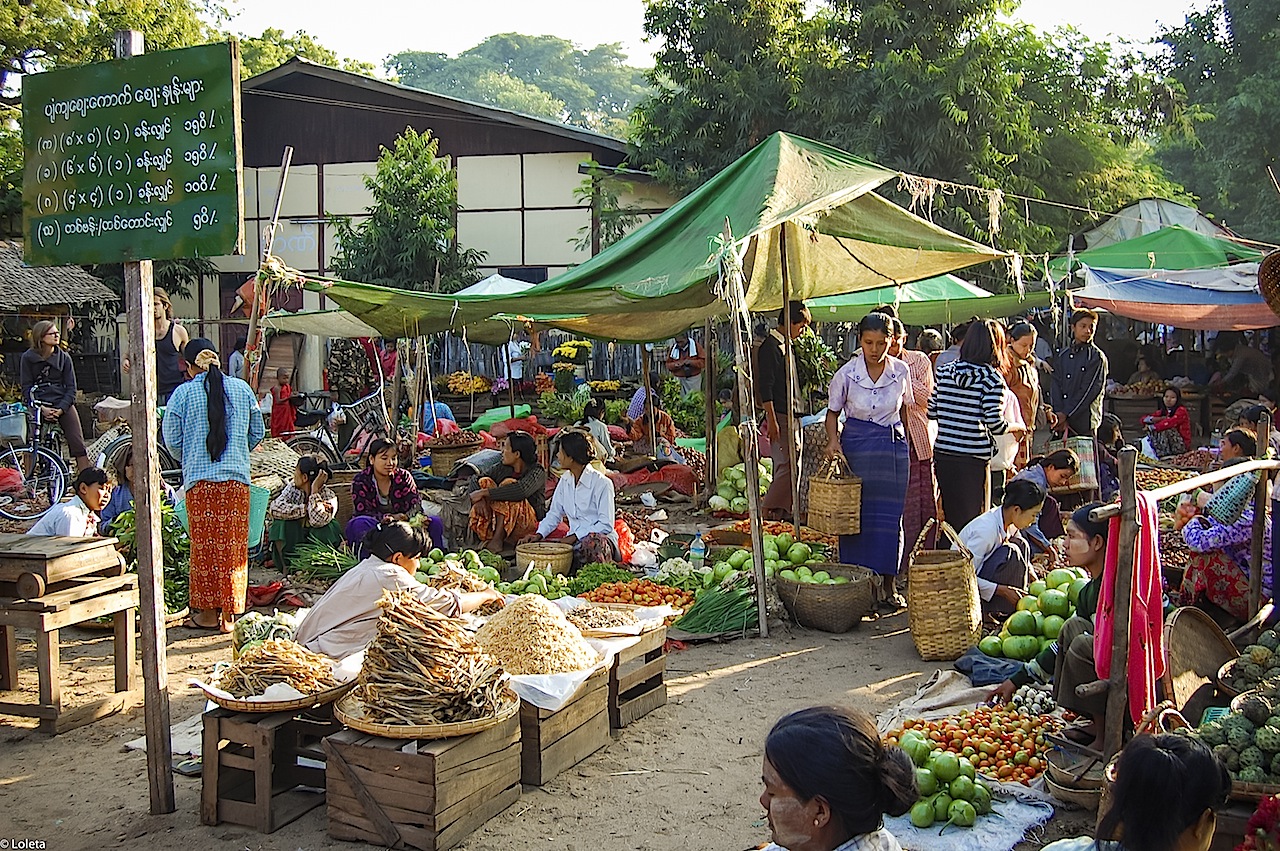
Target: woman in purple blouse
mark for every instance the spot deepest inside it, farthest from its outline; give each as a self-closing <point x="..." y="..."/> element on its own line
<point x="385" y="490"/>
<point x="871" y="391"/>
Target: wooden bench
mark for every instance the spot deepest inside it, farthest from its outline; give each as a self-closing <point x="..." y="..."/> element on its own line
<point x="250" y="771"/>
<point x="424" y="794"/>
<point x="48" y="584"/>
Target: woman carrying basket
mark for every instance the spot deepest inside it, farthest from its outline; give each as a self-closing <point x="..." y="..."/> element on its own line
<point x="871" y="390"/>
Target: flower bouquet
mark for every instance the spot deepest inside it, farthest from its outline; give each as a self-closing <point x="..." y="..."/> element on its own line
<point x="573" y="351"/>
<point x="1263" y="831"/>
<point x="564" y="376"/>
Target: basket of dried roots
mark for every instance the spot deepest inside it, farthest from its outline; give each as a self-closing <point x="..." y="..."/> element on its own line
<point x="424" y="677"/>
<point x="276" y="662"/>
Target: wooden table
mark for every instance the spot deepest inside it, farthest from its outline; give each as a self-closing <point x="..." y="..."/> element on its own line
<point x="46" y="584"/>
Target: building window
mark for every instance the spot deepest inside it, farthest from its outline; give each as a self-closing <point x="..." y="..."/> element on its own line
<point x="528" y="274"/>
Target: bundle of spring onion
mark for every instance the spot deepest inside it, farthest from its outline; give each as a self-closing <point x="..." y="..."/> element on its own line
<point x="729" y="607"/>
<point x="314" y="561"/>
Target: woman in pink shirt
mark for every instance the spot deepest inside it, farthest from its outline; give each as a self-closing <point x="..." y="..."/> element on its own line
<point x="871" y="390"/>
<point x="922" y="488"/>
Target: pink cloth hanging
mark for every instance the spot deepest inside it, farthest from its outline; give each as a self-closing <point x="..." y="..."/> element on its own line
<point x="1146" y="610"/>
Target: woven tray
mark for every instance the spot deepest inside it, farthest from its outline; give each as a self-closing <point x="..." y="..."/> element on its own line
<point x="350" y="711"/>
<point x="264" y="706"/>
<point x="1196" y="650"/>
<point x="552" y="555"/>
<point x="273" y="455"/>
<point x="1221" y="679"/>
<point x="830" y="608"/>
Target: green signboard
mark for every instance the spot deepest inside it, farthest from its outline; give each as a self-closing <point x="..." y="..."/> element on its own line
<point x="134" y="159"/>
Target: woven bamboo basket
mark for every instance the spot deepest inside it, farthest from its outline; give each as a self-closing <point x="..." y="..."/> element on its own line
<point x="1196" y="649"/>
<point x="343" y="476"/>
<point x="350" y="711"/>
<point x="550" y="555"/>
<point x="830" y="608"/>
<point x="835" y="499"/>
<point x="264" y="706"/>
<point x="943" y="608"/>
<point x="445" y="458"/>
<point x="273" y="455"/>
<point x="346" y="508"/>
<point x="1269" y="280"/>
<point x="1087" y="799"/>
<point x="1224" y="674"/>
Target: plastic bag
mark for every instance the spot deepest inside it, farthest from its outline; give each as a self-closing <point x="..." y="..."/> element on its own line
<point x="626" y="540"/>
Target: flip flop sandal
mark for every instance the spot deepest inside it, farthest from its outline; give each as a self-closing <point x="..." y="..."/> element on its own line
<point x="188" y="766"/>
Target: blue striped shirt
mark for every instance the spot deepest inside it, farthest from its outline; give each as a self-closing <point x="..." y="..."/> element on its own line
<point x="186" y="425"/>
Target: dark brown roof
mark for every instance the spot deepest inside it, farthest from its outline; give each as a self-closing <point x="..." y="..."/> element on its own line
<point x="29" y="286"/>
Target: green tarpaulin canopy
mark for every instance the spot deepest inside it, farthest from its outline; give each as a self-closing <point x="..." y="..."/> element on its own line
<point x="839" y="237"/>
<point x="1173" y="247"/>
<point x="935" y="301"/>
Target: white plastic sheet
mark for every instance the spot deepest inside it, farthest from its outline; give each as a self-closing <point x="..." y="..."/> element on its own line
<point x="552" y="691"/>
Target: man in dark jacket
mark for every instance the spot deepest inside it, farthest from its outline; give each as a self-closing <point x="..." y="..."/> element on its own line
<point x="1079" y="377"/>
<point x="782" y="423"/>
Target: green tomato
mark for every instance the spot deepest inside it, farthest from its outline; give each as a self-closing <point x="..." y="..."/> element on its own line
<point x="922" y="814"/>
<point x="926" y="783"/>
<point x="941" y="803"/>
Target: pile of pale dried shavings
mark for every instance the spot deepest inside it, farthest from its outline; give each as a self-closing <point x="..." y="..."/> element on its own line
<point x="598" y="617"/>
<point x="532" y="636"/>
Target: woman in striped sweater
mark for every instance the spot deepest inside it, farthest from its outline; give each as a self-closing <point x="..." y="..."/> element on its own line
<point x="967" y="402"/>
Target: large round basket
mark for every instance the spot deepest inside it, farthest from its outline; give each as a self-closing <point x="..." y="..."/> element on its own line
<point x="830" y="608"/>
<point x="548" y="555"/>
<point x="1085" y="799"/>
<point x="1269" y="280"/>
<point x="943" y="608"/>
<point x="835" y="500"/>
<point x="1196" y="649"/>
<point x="351" y="711"/>
<point x="445" y="458"/>
<point x="273" y="455"/>
<point x="1073" y="770"/>
<point x="263" y="706"/>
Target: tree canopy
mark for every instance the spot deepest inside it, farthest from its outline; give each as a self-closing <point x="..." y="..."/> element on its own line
<point x="1225" y="59"/>
<point x="941" y="89"/>
<point x="541" y="75"/>
<point x="273" y="48"/>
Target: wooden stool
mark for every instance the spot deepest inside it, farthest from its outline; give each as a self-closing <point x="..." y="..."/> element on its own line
<point x="249" y="767"/>
<point x="46" y="584"/>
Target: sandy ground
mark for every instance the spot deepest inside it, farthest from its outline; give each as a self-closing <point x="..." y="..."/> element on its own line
<point x="686" y="776"/>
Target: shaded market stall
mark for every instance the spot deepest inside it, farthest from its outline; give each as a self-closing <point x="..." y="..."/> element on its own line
<point x="1221" y="299"/>
<point x="1174" y="247"/>
<point x="944" y="299"/>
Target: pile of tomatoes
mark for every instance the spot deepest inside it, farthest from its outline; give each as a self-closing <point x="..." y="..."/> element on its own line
<point x="1001" y="742"/>
<point x="640" y="592"/>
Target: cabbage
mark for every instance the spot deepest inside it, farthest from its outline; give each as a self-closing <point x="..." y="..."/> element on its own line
<point x="738" y="505"/>
<point x="718" y="503"/>
<point x="726" y="491"/>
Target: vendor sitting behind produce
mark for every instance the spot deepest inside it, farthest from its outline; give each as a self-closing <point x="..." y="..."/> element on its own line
<point x="382" y="490"/>
<point x="583" y="498"/>
<point x="593" y="421"/>
<point x="511" y="510"/>
<point x="1221" y="539"/>
<point x="1001" y="556"/>
<point x="642" y="442"/>
<point x="1166" y="794"/>
<point x="1050" y="471"/>
<point x="1068" y="661"/>
<point x="345" y="619"/>
<point x="306" y="509"/>
<point x="78" y="516"/>
<point x="828" y="782"/>
<point x="1170" y="425"/>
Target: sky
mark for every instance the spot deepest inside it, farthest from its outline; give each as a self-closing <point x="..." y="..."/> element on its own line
<point x="373" y="29"/>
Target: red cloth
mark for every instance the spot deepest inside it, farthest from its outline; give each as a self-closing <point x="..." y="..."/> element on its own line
<point x="1179" y="420"/>
<point x="283" y="415"/>
<point x="678" y="476"/>
<point x="1146" y="611"/>
<point x="618" y="433"/>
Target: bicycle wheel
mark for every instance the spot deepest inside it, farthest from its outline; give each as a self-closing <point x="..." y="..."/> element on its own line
<point x="305" y="444"/>
<point x="30" y="495"/>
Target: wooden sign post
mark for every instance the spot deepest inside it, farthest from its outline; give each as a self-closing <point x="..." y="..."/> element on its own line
<point x="126" y="162"/>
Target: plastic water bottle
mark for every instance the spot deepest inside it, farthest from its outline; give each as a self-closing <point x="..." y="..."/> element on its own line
<point x="698" y="552"/>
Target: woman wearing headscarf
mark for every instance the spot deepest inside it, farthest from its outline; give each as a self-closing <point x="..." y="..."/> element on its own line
<point x="211" y="423"/>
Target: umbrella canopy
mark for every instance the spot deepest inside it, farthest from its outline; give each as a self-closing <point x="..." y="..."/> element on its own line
<point x="496" y="285"/>
<point x="1168" y="248"/>
<point x="944" y="299"/>
<point x="1201" y="299"/>
<point x="787" y="197"/>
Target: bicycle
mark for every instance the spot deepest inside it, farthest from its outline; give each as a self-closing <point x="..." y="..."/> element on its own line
<point x="170" y="467"/>
<point x="316" y="434"/>
<point x="42" y="476"/>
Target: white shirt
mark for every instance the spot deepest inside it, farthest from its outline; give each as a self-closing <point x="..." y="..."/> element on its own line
<point x="600" y="432"/>
<point x="880" y="401"/>
<point x="586" y="504"/>
<point x="345" y="619"/>
<point x="514" y="352"/>
<point x="982" y="536"/>
<point x="70" y="519"/>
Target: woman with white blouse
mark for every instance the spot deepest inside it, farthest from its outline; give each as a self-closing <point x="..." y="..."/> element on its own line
<point x="871" y="391"/>
<point x="584" y="499"/>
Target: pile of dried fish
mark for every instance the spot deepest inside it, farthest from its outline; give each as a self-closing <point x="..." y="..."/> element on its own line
<point x="456" y="579"/>
<point x="423" y="668"/>
<point x="532" y="636"/>
<point x="598" y="617"/>
<point x="277" y="661"/>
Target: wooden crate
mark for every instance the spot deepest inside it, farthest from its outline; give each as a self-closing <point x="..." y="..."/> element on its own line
<point x="637" y="684"/>
<point x="425" y="794"/>
<point x="250" y="771"/>
<point x="32" y="563"/>
<point x="554" y="741"/>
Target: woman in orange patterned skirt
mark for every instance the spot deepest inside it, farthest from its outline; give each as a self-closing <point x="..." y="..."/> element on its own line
<point x="213" y="421"/>
<point x="508" y="505"/>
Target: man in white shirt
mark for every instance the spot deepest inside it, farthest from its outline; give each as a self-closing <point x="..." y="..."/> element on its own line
<point x="513" y="353"/>
<point x="78" y="516"/>
<point x="686" y="360"/>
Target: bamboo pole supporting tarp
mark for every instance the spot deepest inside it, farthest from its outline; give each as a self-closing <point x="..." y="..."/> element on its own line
<point x="1118" y="685"/>
<point x="253" y="348"/>
<point x="1106" y="512"/>
<point x="789" y="368"/>
<point x="709" y="388"/>
<point x="1261" y="497"/>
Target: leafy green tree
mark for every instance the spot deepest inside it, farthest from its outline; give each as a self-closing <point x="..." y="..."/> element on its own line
<point x="1224" y="58"/>
<point x="273" y="48"/>
<point x="595" y="88"/>
<point x="409" y="234"/>
<point x="507" y="92"/>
